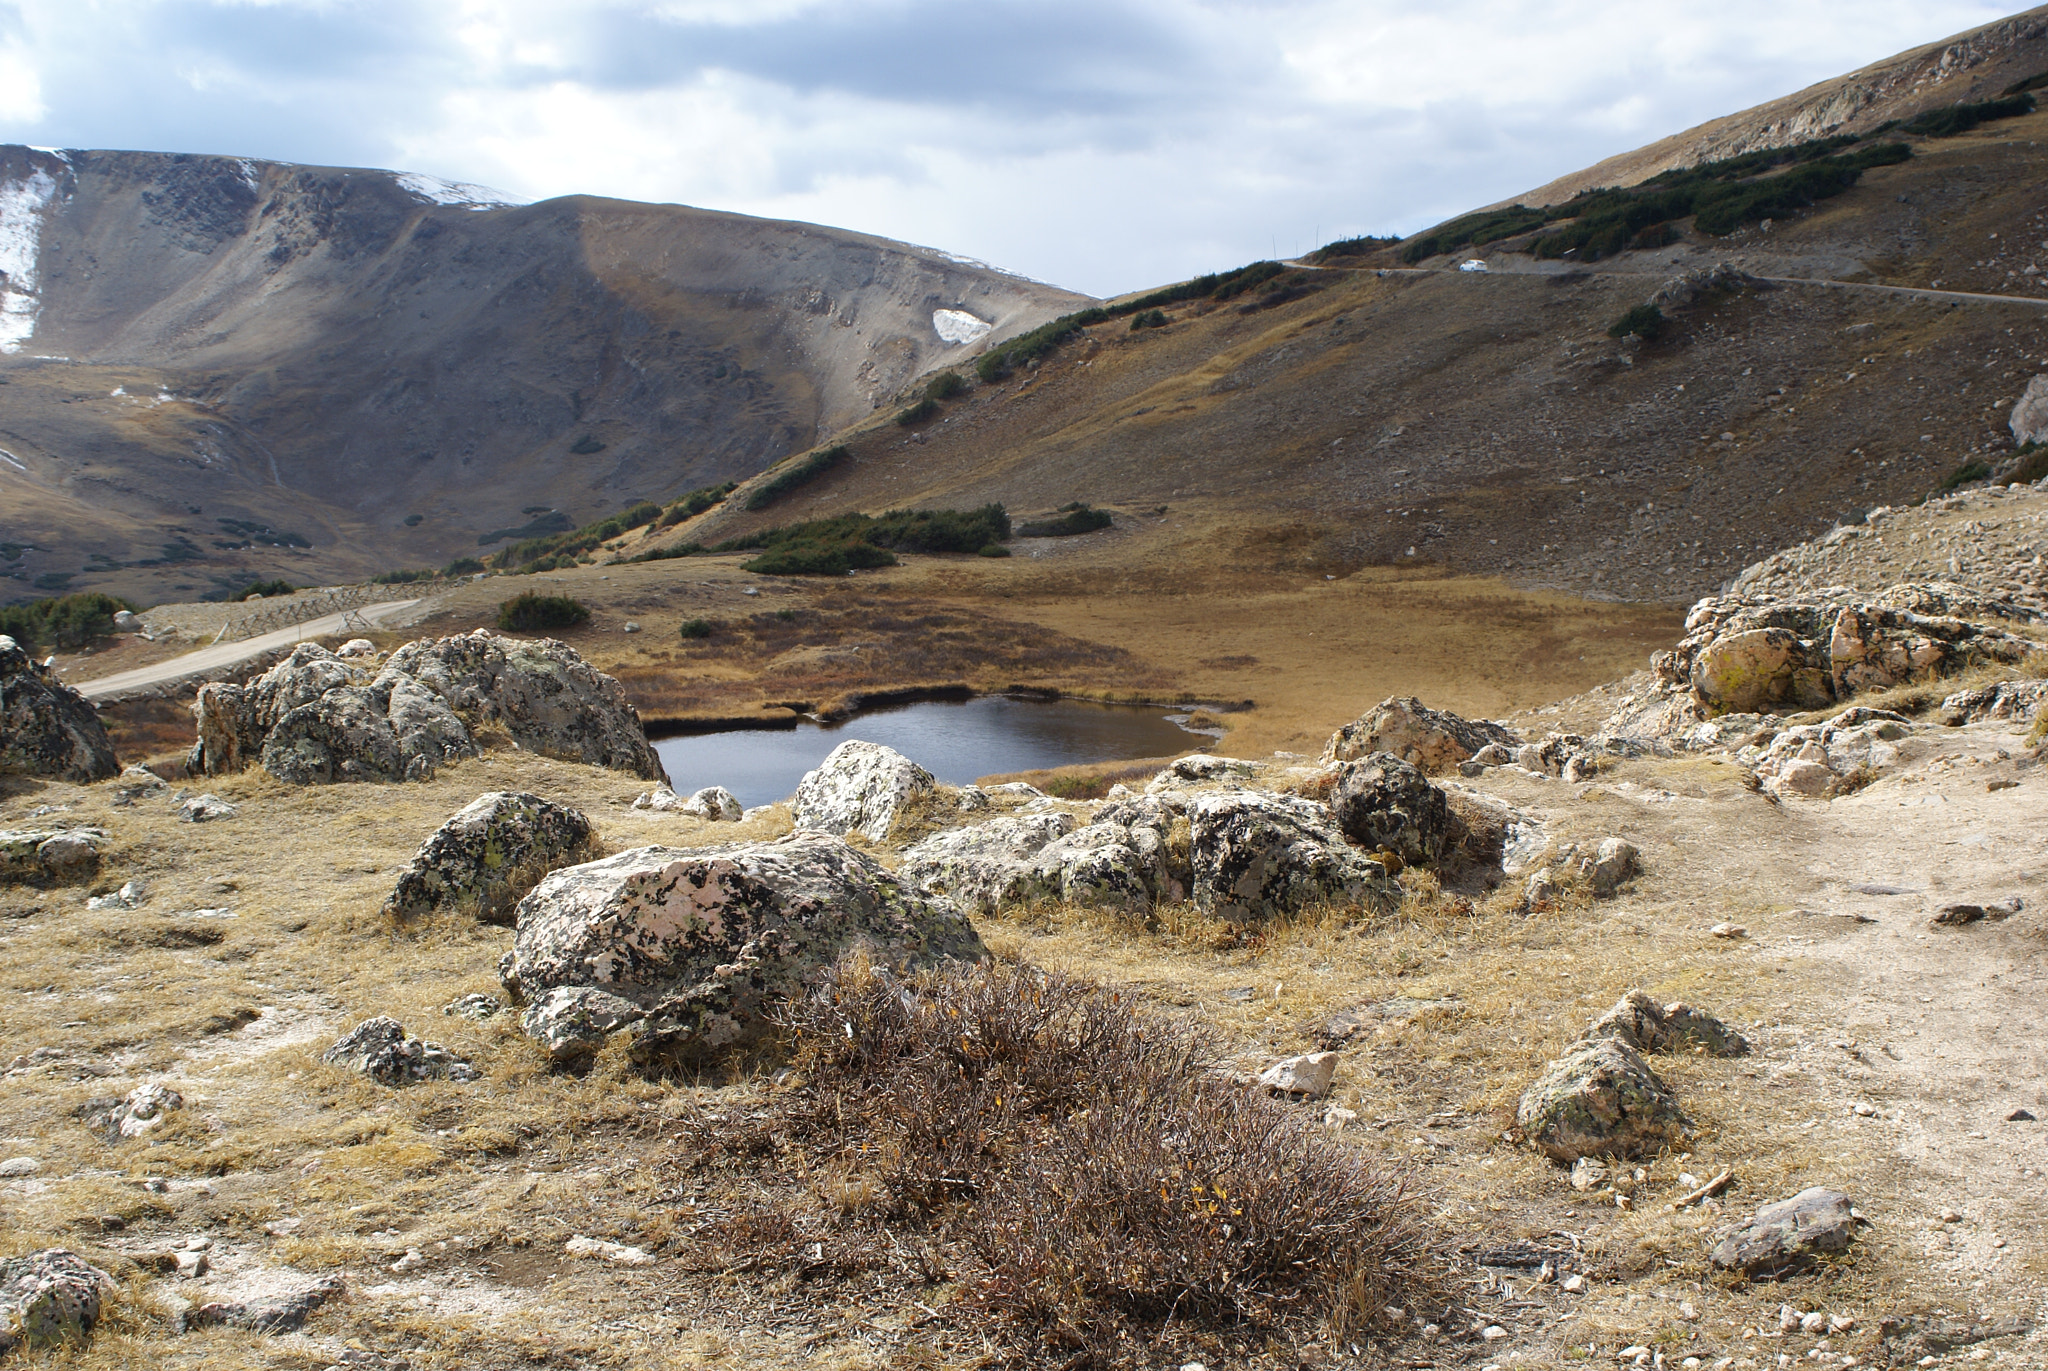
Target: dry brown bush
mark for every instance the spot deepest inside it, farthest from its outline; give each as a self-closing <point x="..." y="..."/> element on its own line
<point x="1110" y="1180"/>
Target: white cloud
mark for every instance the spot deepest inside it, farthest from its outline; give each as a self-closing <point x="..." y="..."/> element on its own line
<point x="1104" y="144"/>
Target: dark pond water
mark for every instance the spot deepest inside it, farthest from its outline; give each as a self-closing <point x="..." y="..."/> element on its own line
<point x="956" y="741"/>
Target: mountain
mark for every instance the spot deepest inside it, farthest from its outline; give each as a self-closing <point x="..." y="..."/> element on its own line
<point x="217" y="369"/>
<point x="1376" y="405"/>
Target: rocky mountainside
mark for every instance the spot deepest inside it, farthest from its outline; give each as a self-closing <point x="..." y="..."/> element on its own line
<point x="217" y="368"/>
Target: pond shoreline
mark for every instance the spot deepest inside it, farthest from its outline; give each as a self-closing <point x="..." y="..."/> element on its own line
<point x="801" y="712"/>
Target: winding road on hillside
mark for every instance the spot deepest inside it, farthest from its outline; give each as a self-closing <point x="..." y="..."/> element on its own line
<point x="1972" y="296"/>
<point x="228" y="654"/>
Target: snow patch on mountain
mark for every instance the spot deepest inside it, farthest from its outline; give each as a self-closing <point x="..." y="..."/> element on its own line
<point x="957" y="326"/>
<point x="21" y="236"/>
<point x="439" y="192"/>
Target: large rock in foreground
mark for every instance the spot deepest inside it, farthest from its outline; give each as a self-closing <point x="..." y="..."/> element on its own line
<point x="1789" y="1234"/>
<point x="489" y="855"/>
<point x="49" y="1298"/>
<point x="691" y="950"/>
<point x="1432" y="739"/>
<point x="1255" y="854"/>
<point x="859" y="788"/>
<point x="1600" y="1099"/>
<point x="62" y="856"/>
<point x="1126" y="859"/>
<point x="314" y="718"/>
<point x="46" y="727"/>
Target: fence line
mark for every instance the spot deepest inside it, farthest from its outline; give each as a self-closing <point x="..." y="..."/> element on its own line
<point x="300" y="608"/>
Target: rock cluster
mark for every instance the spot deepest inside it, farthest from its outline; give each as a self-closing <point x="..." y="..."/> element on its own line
<point x="692" y="949"/>
<point x="314" y="718"/>
<point x="45" y="857"/>
<point x="1433" y="740"/>
<point x="49" y="1298"/>
<point x="712" y="802"/>
<point x="1602" y="1099"/>
<point x="132" y="1115"/>
<point x="1820" y="760"/>
<point x="1787" y="1235"/>
<point x="380" y="1050"/>
<point x="859" y="788"/>
<point x="488" y="855"/>
<point x="1255" y="854"/>
<point x="46" y="727"/>
<point x="1745" y="654"/>
<point x="1384" y="804"/>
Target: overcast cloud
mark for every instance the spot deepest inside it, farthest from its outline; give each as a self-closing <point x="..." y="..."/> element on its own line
<point x="1099" y="144"/>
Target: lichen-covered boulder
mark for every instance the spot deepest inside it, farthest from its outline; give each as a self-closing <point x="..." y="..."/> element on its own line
<point x="1134" y="854"/>
<point x="1254" y="854"/>
<point x="49" y="1298"/>
<point x="486" y="857"/>
<point x="1383" y="803"/>
<point x="45" y="857"/>
<point x="859" y="788"/>
<point x="1600" y="1099"/>
<point x="380" y="1050"/>
<point x="314" y="718"/>
<point x="1788" y="1235"/>
<point x="1649" y="1027"/>
<point x="704" y="943"/>
<point x="46" y="727"/>
<point x="987" y="865"/>
<point x="1199" y="769"/>
<point x="2019" y="701"/>
<point x="138" y="1112"/>
<point x="546" y="696"/>
<point x="1434" y="740"/>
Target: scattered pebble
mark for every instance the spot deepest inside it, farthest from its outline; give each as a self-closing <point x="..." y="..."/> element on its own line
<point x="1729" y="931"/>
<point x="19" y="1166"/>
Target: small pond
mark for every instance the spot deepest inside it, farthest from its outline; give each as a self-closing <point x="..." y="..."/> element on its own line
<point x="956" y="740"/>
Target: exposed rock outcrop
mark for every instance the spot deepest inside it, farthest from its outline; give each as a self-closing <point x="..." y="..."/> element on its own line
<point x="713" y="802"/>
<point x="986" y="865"/>
<point x="859" y="788"/>
<point x="1434" y="740"/>
<point x="1600" y="1099"/>
<point x="691" y="949"/>
<point x="2014" y="700"/>
<point x="313" y="718"/>
<point x="46" y="727"/>
<point x="2029" y="419"/>
<point x="1818" y="760"/>
<point x="1254" y="854"/>
<point x="46" y="857"/>
<point x="380" y="1050"/>
<point x="1649" y="1027"/>
<point x="138" y="1112"/>
<point x="489" y="854"/>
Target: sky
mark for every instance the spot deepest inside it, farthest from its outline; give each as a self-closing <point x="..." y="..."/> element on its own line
<point x="1102" y="145"/>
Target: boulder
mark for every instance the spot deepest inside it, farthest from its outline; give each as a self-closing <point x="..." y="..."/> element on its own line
<point x="986" y="865"/>
<point x="1813" y="760"/>
<point x="700" y="945"/>
<point x="1600" y="1099"/>
<point x="1307" y="1076"/>
<point x="713" y="802"/>
<point x="46" y="857"/>
<point x="2029" y="419"/>
<point x="1384" y="804"/>
<point x="1133" y="855"/>
<point x="859" y="788"/>
<point x="132" y="1115"/>
<point x="355" y="648"/>
<point x="2018" y="701"/>
<point x="1612" y="864"/>
<point x="1648" y="1027"/>
<point x="380" y="1050"/>
<point x="46" y="727"/>
<point x="1435" y="741"/>
<point x="1199" y="768"/>
<point x="314" y="718"/>
<point x="489" y="855"/>
<point x="49" y="1298"/>
<point x="1787" y="1235"/>
<point x="1255" y="854"/>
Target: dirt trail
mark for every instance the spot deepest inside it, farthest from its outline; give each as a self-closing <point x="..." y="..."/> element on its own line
<point x="228" y="654"/>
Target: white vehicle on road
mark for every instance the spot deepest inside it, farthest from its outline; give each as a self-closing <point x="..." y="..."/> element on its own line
<point x="1472" y="264"/>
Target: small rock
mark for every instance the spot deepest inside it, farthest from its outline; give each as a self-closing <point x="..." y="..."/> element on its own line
<point x="1729" y="931"/>
<point x="1600" y="1099"/>
<point x="1493" y="1332"/>
<point x="1307" y="1076"/>
<point x="1813" y="1323"/>
<point x="716" y="803"/>
<point x="1955" y="915"/>
<point x="1687" y="1313"/>
<point x="1339" y="1118"/>
<point x="275" y="1317"/>
<point x="1574" y="1284"/>
<point x="380" y="1050"/>
<point x="1542" y="887"/>
<point x="15" y="1167"/>
<point x="1865" y="1110"/>
<point x="49" y="1298"/>
<point x="192" y="1265"/>
<point x="1615" y="862"/>
<point x="474" y="1006"/>
<point x="202" y="809"/>
<point x="1587" y="1174"/>
<point x="632" y="627"/>
<point x="617" y="1253"/>
<point x="1787" y="1234"/>
<point x="356" y="647"/>
<point x="1649" y="1027"/>
<point x="2019" y="1116"/>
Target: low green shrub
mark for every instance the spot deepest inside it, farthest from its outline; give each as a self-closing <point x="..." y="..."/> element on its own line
<point x="415" y="520"/>
<point x="527" y="612"/>
<point x="263" y="590"/>
<point x="1362" y="246"/>
<point x="1973" y="470"/>
<point x="539" y="526"/>
<point x="2034" y="82"/>
<point x="463" y="566"/>
<point x="402" y="578"/>
<point x="1954" y="119"/>
<point x="905" y="530"/>
<point x="819" y="559"/>
<point x="568" y="548"/>
<point x="1644" y="321"/>
<point x="695" y="503"/>
<point x="992" y="550"/>
<point x="799" y="472"/>
<point x="921" y="412"/>
<point x="945" y="386"/>
<point x="1151" y="318"/>
<point x="664" y="554"/>
<point x="66" y="621"/>
<point x="695" y="628"/>
<point x="586" y="445"/>
<point x="2033" y="464"/>
<point x="1076" y="518"/>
